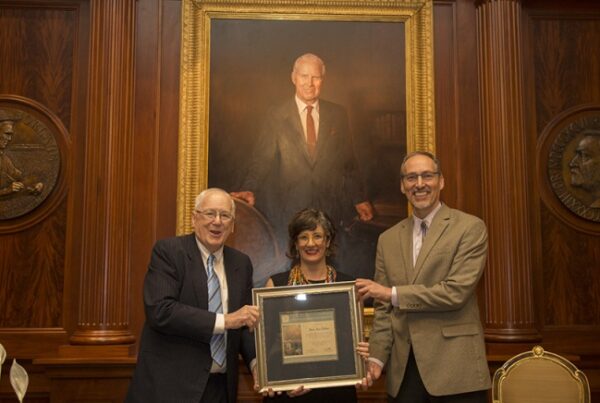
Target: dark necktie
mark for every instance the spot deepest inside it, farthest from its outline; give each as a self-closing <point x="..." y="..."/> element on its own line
<point x="217" y="343"/>
<point x="311" y="134"/>
<point x="423" y="229"/>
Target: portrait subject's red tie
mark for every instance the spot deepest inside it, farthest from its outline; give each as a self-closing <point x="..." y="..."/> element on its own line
<point x="311" y="134"/>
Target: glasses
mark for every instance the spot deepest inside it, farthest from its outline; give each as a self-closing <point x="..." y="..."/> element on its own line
<point x="425" y="176"/>
<point x="317" y="239"/>
<point x="211" y="215"/>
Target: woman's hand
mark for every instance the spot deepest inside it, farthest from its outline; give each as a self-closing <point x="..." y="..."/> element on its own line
<point x="299" y="391"/>
<point x="363" y="350"/>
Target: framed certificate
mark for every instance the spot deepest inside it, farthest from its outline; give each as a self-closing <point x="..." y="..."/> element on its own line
<point x="307" y="335"/>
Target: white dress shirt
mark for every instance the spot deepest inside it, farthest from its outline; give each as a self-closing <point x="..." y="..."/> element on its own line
<point x="219" y="268"/>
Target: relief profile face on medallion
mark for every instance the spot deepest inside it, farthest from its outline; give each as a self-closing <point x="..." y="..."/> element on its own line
<point x="29" y="162"/>
<point x="574" y="166"/>
<point x="584" y="167"/>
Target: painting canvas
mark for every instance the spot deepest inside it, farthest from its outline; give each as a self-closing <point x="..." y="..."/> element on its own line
<point x="251" y="63"/>
<point x="246" y="57"/>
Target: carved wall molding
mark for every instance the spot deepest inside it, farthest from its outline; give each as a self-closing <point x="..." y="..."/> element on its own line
<point x="509" y="313"/>
<point x="103" y="316"/>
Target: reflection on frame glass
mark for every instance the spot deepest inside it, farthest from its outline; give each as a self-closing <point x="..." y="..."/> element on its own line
<point x="236" y="63"/>
<point x="307" y="335"/>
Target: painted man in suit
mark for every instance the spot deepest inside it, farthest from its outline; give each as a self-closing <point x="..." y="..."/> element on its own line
<point x="197" y="296"/>
<point x="427" y="327"/>
<point x="304" y="157"/>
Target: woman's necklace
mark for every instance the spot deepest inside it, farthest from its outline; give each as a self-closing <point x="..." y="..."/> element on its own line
<point x="296" y="276"/>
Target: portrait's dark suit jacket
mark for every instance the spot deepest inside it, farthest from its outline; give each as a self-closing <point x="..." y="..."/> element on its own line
<point x="437" y="314"/>
<point x="285" y="179"/>
<point x="174" y="360"/>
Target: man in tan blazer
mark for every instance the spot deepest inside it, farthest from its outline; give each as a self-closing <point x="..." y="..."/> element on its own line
<point x="427" y="327"/>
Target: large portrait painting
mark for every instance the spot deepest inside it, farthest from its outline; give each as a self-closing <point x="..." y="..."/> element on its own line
<point x="241" y="127"/>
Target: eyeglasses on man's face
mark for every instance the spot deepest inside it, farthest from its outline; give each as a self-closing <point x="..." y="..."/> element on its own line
<point x="413" y="178"/>
<point x="211" y="215"/>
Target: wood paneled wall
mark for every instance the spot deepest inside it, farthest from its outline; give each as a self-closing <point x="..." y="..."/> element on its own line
<point x="70" y="285"/>
<point x="567" y="273"/>
<point x="43" y="59"/>
<point x="564" y="77"/>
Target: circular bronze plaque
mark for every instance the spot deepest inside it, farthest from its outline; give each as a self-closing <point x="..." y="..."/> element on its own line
<point x="574" y="167"/>
<point x="569" y="164"/>
<point x="29" y="162"/>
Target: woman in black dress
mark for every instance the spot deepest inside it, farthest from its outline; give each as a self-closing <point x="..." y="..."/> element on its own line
<point x="310" y="244"/>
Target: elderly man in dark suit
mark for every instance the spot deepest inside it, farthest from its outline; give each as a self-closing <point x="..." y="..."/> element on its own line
<point x="304" y="157"/>
<point x="197" y="296"/>
<point x="427" y="326"/>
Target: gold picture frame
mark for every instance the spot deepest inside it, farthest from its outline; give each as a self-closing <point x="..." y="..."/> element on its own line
<point x="311" y="337"/>
<point x="195" y="75"/>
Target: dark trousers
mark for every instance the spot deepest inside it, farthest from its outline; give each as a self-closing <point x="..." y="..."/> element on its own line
<point x="216" y="389"/>
<point x="412" y="389"/>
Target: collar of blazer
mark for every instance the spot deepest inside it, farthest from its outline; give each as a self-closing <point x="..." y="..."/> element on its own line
<point x="438" y="225"/>
<point x="197" y="271"/>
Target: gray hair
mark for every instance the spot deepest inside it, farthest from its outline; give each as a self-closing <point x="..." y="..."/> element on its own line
<point x="200" y="198"/>
<point x="309" y="57"/>
<point x="427" y="154"/>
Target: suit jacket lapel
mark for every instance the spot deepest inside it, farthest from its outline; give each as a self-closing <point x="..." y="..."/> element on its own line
<point x="196" y="271"/>
<point x="438" y="226"/>
<point x="233" y="286"/>
<point x="405" y="235"/>
<point x="325" y="128"/>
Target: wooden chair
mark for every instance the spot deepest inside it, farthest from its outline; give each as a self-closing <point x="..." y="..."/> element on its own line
<point x="539" y="376"/>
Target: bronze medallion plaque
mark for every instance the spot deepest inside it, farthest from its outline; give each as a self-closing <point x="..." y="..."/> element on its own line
<point x="29" y="162"/>
<point x="569" y="167"/>
<point x="574" y="167"/>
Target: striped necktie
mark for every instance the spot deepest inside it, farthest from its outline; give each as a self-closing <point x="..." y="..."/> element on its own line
<point x="217" y="343"/>
<point x="419" y="241"/>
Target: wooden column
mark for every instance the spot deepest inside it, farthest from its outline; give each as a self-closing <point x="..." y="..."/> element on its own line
<point x="103" y="315"/>
<point x="509" y="313"/>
